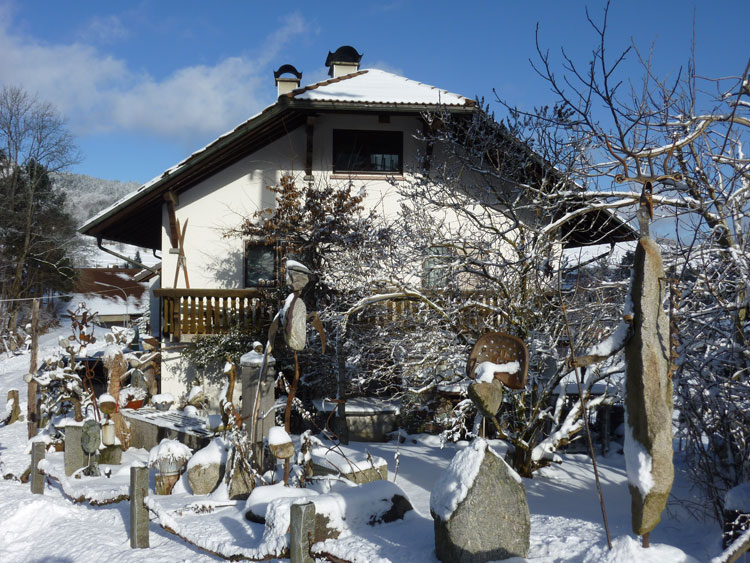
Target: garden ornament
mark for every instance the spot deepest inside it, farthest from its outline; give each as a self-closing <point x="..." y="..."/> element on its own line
<point x="293" y="318"/>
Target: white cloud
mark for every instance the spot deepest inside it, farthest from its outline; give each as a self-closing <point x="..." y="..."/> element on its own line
<point x="98" y="92"/>
<point x="105" y="29"/>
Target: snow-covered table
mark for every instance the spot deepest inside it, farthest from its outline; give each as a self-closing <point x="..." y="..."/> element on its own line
<point x="149" y="426"/>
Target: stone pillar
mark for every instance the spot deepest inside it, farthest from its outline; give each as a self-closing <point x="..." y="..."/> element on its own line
<point x="301" y="531"/>
<point x="37" y="477"/>
<point x="139" y="519"/>
<point x="648" y="392"/>
<point x="251" y="364"/>
<point x="75" y="458"/>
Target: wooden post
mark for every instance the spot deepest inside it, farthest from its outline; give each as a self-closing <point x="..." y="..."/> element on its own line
<point x="116" y="366"/>
<point x="139" y="519"/>
<point x="32" y="412"/>
<point x="37" y="477"/>
<point x="301" y="531"/>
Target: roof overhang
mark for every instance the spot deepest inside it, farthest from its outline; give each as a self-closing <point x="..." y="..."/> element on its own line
<point x="600" y="226"/>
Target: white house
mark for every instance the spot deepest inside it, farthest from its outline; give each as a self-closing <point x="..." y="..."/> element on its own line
<point x="360" y="126"/>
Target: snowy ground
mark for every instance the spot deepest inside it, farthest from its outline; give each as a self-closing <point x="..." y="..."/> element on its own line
<point x="566" y="519"/>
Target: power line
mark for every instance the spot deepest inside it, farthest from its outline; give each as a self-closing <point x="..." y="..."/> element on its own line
<point x="58" y="295"/>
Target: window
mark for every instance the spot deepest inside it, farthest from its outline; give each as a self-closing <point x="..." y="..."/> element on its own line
<point x="260" y="265"/>
<point x="368" y="151"/>
<point x="437" y="268"/>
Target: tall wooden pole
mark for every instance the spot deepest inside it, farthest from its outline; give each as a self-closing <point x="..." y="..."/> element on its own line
<point x="32" y="412"/>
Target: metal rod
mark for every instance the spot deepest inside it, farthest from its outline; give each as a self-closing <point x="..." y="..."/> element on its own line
<point x="123" y="257"/>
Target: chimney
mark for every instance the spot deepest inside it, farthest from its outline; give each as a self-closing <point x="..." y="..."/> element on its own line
<point x="344" y="61"/>
<point x="286" y="84"/>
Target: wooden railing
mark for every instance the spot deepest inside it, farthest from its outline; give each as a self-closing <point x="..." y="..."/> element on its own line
<point x="189" y="312"/>
<point x="478" y="313"/>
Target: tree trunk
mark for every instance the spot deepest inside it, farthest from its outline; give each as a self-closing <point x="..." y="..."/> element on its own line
<point x="15" y="288"/>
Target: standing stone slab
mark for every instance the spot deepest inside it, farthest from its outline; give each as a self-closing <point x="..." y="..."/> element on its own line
<point x="251" y="363"/>
<point x="480" y="509"/>
<point x="301" y="532"/>
<point x="37" y="477"/>
<point x="648" y="392"/>
<point x="75" y="457"/>
<point x="139" y="518"/>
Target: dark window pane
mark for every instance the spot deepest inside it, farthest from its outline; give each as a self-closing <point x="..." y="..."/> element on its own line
<point x="260" y="265"/>
<point x="367" y="151"/>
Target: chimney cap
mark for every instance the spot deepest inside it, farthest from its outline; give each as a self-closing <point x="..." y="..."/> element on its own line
<point x="344" y="54"/>
<point x="287" y="69"/>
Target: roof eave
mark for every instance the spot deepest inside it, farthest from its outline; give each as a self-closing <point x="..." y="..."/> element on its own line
<point x="331" y="105"/>
<point x="157" y="186"/>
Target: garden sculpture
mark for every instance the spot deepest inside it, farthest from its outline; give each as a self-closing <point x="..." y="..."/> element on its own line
<point x="293" y="318"/>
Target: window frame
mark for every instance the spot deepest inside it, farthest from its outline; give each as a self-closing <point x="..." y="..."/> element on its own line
<point x="437" y="270"/>
<point x="376" y="139"/>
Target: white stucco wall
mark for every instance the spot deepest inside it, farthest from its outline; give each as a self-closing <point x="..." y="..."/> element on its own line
<point x="218" y="204"/>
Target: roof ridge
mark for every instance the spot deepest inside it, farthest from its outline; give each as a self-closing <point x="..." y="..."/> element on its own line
<point x="325" y="83"/>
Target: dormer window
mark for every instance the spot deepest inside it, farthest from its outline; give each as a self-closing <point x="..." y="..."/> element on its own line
<point x="360" y="151"/>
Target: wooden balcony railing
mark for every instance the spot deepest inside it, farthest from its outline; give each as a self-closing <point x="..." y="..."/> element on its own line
<point x="189" y="312"/>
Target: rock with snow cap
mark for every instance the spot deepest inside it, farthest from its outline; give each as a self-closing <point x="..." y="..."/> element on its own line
<point x="336" y="513"/>
<point x="480" y="509"/>
<point x="356" y="467"/>
<point x="206" y="468"/>
<point x="280" y="443"/>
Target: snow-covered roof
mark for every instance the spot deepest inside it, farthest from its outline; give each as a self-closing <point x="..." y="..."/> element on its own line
<point x="375" y="86"/>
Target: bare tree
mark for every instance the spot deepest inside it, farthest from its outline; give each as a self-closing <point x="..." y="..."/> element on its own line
<point x="678" y="149"/>
<point x="478" y="246"/>
<point x="34" y="142"/>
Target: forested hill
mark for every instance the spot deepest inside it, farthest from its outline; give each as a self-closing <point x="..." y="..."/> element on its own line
<point x="87" y="195"/>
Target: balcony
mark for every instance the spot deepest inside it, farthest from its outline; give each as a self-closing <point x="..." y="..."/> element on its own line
<point x="190" y="312"/>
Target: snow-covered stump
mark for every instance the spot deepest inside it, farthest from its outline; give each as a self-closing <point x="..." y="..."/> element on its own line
<point x="301" y="532"/>
<point x="139" y="519"/>
<point x="169" y="458"/>
<point x="12" y="408"/>
<point x="480" y="508"/>
<point x="38" y="450"/>
<point x="648" y="392"/>
<point x="75" y="457"/>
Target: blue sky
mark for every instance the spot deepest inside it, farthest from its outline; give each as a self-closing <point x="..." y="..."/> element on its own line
<point x="144" y="84"/>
